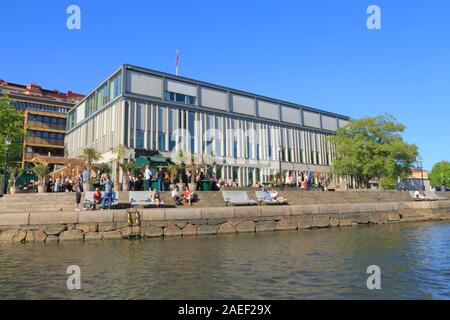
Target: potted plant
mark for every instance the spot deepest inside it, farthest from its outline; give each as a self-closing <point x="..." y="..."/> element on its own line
<point x="120" y="155"/>
<point x="41" y="170"/>
<point x="14" y="173"/>
<point x="173" y="170"/>
<point x="127" y="168"/>
<point x="193" y="170"/>
<point x="90" y="156"/>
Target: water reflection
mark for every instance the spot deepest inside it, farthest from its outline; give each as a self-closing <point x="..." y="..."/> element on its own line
<point x="319" y="264"/>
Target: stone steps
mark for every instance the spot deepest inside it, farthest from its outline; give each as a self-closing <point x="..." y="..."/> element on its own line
<point x="55" y="201"/>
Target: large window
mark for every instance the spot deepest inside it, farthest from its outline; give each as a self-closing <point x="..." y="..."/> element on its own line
<point x="38" y="106"/>
<point x="178" y="97"/>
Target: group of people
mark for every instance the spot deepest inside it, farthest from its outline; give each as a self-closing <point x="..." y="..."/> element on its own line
<point x="185" y="197"/>
<point x="98" y="198"/>
<point x="57" y="185"/>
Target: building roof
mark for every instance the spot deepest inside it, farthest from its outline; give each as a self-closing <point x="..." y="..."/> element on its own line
<point x="34" y="90"/>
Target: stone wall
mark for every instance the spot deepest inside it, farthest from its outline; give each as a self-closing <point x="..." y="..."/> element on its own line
<point x="97" y="225"/>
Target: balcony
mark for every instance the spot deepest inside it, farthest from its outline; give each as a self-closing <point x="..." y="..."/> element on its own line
<point x="46" y="126"/>
<point x="44" y="142"/>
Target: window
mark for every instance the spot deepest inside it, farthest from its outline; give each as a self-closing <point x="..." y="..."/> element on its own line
<point x="139" y="139"/>
<point x="178" y="97"/>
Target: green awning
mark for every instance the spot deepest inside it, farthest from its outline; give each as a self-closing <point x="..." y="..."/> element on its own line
<point x="142" y="161"/>
<point x="159" y="159"/>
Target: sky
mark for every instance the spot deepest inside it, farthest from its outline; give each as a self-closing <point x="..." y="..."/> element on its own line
<point x="316" y="53"/>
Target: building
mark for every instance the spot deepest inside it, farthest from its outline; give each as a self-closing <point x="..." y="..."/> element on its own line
<point x="245" y="136"/>
<point x="45" y="113"/>
<point x="418" y="174"/>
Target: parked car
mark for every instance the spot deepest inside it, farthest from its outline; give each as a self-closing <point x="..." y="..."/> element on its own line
<point x="439" y="188"/>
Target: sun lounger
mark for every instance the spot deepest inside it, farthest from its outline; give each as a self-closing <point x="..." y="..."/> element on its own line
<point x="142" y="199"/>
<point x="237" y="198"/>
<point x="261" y="199"/>
<point x="434" y="196"/>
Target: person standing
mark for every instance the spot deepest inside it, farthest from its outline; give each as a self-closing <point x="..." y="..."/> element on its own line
<point x="148" y="178"/>
<point x="84" y="176"/>
<point x="160" y="177"/>
<point x="107" y="183"/>
<point x="78" y="188"/>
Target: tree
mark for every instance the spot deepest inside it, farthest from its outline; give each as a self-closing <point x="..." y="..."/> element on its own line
<point x="11" y="123"/>
<point x="41" y="170"/>
<point x="440" y="174"/>
<point x="120" y="155"/>
<point x="90" y="156"/>
<point x="372" y="147"/>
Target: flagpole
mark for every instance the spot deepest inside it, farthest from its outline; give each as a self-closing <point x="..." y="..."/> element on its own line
<point x="176" y="64"/>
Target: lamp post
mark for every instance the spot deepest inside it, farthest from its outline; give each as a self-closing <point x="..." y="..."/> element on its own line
<point x="8" y="141"/>
<point x="420" y="160"/>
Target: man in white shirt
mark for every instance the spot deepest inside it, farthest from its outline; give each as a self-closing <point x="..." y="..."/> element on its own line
<point x="148" y="178"/>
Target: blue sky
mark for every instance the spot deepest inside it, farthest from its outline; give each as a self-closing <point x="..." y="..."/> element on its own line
<point x="318" y="53"/>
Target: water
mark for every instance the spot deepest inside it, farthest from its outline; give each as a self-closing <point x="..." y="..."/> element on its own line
<point x="320" y="264"/>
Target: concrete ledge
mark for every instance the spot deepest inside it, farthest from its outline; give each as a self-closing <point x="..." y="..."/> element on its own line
<point x="328" y="209"/>
<point x="213" y="213"/>
<point x="268" y="211"/>
<point x="386" y="206"/>
<point x="247" y="212"/>
<point x="347" y="208"/>
<point x="183" y="214"/>
<point x="156" y="214"/>
<point x="95" y="216"/>
<point x="306" y="209"/>
<point x="14" y="219"/>
<point x="120" y="216"/>
<point x="60" y="217"/>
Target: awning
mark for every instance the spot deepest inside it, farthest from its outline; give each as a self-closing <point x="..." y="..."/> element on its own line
<point x="159" y="159"/>
<point x="142" y="161"/>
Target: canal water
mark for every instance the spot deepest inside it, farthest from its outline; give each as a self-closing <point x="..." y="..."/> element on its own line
<point x="414" y="259"/>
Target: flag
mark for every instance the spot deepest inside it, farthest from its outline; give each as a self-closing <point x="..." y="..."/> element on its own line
<point x="176" y="63"/>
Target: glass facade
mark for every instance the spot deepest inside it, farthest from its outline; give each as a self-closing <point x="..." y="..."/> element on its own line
<point x="37" y="106"/>
<point x="106" y="93"/>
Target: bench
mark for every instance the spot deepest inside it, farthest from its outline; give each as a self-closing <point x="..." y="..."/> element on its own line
<point x="434" y="196"/>
<point x="142" y="199"/>
<point x="237" y="198"/>
<point x="89" y="199"/>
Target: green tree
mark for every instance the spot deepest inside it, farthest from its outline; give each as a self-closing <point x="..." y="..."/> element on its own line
<point x="11" y="123"/>
<point x="440" y="173"/>
<point x="90" y="156"/>
<point x="372" y="147"/>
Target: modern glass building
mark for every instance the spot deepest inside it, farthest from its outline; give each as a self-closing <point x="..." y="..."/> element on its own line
<point x="247" y="136"/>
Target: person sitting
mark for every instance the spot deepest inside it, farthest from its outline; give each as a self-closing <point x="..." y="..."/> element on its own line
<point x="265" y="195"/>
<point x="176" y="195"/>
<point x="424" y="197"/>
<point x="188" y="196"/>
<point x="277" y="197"/>
<point x="97" y="199"/>
<point x="155" y="197"/>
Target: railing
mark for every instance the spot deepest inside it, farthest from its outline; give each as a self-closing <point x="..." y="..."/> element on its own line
<point x="42" y="141"/>
<point x="43" y="125"/>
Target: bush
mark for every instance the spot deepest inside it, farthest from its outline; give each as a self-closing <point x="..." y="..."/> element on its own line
<point x="388" y="183"/>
